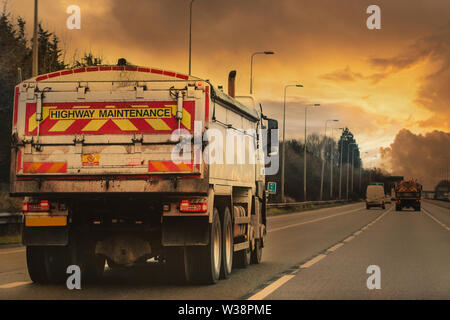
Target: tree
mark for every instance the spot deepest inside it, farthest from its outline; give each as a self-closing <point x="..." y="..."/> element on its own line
<point x="15" y="54"/>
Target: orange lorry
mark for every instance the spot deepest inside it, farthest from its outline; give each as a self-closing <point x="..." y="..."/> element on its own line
<point x="407" y="195"/>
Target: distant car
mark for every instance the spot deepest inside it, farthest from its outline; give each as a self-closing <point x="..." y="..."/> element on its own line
<point x="375" y="196"/>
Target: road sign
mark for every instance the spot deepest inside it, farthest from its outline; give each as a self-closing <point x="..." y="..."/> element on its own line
<point x="272" y="187"/>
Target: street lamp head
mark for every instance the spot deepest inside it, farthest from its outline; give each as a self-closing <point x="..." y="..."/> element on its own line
<point x="316" y="105"/>
<point x="299" y="85"/>
<point x="269" y="52"/>
<point x="336" y="120"/>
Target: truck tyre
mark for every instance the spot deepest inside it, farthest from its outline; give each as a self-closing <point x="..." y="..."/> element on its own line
<point x="227" y="244"/>
<point x="92" y="266"/>
<point x="95" y="266"/>
<point x="257" y="252"/>
<point x="208" y="259"/>
<point x="36" y="264"/>
<point x="177" y="265"/>
<point x="243" y="258"/>
<point x="56" y="263"/>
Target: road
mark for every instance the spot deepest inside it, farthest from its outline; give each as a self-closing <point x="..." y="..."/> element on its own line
<point x="320" y="254"/>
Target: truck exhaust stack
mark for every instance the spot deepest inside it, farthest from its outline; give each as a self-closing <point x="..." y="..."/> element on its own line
<point x="232" y="83"/>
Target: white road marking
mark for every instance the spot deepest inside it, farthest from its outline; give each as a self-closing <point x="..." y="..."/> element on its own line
<point x="14" y="284"/>
<point x="281" y="281"/>
<point x="436" y="220"/>
<point x="12" y="251"/>
<point x="349" y="239"/>
<point x="313" y="261"/>
<point x="314" y="220"/>
<point x="335" y="247"/>
<point x="271" y="288"/>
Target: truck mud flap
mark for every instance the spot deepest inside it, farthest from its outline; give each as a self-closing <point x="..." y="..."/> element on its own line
<point x="45" y="236"/>
<point x="185" y="231"/>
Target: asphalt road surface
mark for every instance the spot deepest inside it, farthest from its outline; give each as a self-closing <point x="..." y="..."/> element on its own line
<point x="320" y="254"/>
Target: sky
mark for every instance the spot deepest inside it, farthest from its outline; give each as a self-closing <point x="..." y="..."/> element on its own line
<point x="386" y="85"/>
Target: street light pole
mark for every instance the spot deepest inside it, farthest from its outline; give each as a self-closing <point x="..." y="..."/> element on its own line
<point x="323" y="159"/>
<point x="284" y="141"/>
<point x="332" y="161"/>
<point x="190" y="34"/>
<point x="353" y="166"/>
<point x="304" y="153"/>
<point x="348" y="160"/>
<point x="340" y="170"/>
<point x="360" y="176"/>
<point x="35" y="66"/>
<point x="251" y="67"/>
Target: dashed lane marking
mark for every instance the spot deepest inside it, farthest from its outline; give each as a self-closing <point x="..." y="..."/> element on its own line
<point x="271" y="287"/>
<point x="349" y="239"/>
<point x="312" y="261"/>
<point x="436" y="220"/>
<point x="335" y="247"/>
<point x="14" y="284"/>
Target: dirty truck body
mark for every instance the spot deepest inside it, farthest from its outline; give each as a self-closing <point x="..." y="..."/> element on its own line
<point x="408" y="195"/>
<point x="92" y="155"/>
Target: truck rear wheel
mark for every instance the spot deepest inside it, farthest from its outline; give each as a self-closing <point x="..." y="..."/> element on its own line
<point x="36" y="264"/>
<point x="47" y="264"/>
<point x="243" y="258"/>
<point x="227" y="244"/>
<point x="177" y="264"/>
<point x="257" y="252"/>
<point x="208" y="259"/>
<point x="56" y="263"/>
<point x="92" y="265"/>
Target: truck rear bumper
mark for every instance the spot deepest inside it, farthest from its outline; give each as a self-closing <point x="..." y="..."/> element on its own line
<point x="81" y="185"/>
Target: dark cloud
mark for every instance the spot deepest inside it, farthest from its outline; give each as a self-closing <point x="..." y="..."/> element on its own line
<point x="424" y="157"/>
<point x="343" y="75"/>
<point x="348" y="75"/>
<point x="433" y="93"/>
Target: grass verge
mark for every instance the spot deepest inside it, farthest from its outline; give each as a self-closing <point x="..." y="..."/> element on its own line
<point x="11" y="239"/>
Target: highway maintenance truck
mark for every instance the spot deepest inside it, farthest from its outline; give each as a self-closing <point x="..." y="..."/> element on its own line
<point x="96" y="155"/>
<point x="407" y="195"/>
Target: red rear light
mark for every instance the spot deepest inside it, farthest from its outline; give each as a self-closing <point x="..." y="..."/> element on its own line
<point x="42" y="206"/>
<point x="188" y="207"/>
<point x="45" y="205"/>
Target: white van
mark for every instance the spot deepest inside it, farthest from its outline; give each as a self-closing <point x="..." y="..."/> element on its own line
<point x="375" y="196"/>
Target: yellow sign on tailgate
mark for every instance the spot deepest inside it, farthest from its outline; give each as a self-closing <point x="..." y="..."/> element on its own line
<point x="90" y="160"/>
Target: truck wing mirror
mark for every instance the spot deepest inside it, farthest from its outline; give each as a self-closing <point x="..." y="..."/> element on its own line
<point x="272" y="125"/>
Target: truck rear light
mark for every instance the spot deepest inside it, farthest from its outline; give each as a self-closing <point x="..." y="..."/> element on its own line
<point x="45" y="205"/>
<point x="42" y="206"/>
<point x="188" y="207"/>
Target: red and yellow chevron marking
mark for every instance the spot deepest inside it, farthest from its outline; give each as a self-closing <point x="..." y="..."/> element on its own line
<point x="44" y="167"/>
<point x="109" y="118"/>
<point x="169" y="166"/>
